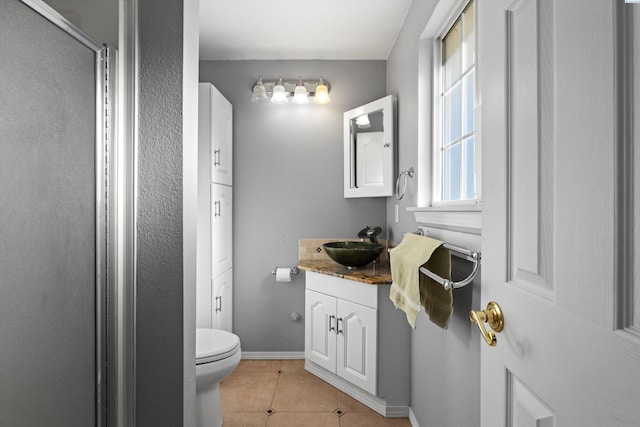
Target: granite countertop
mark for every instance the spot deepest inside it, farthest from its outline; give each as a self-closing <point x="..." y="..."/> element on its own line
<point x="373" y="274"/>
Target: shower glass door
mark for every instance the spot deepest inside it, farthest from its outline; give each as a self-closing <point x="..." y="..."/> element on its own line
<point x="52" y="220"/>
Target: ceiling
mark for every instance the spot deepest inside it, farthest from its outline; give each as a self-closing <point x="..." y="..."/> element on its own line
<point x="300" y="29"/>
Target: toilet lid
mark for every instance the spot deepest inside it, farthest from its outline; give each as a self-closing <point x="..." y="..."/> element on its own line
<point x="215" y="344"/>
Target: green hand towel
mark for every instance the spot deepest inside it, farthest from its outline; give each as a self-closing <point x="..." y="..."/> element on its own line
<point x="406" y="259"/>
<point x="437" y="302"/>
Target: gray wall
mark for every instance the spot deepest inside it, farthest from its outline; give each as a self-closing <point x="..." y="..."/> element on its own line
<point x="159" y="303"/>
<point x="288" y="185"/>
<point x="445" y="386"/>
<point x="97" y="18"/>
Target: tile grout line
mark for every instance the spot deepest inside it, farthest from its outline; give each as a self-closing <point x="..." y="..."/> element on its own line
<point x="280" y="369"/>
<point x="275" y="390"/>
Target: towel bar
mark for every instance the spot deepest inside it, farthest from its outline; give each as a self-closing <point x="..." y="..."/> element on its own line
<point x="471" y="256"/>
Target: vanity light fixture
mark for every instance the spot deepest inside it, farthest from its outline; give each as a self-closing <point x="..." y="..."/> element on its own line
<point x="300" y="90"/>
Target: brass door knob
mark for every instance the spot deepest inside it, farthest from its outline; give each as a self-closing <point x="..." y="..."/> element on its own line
<point x="493" y="316"/>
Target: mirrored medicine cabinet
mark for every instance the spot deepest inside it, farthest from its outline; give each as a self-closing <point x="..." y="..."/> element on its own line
<point x="369" y="149"/>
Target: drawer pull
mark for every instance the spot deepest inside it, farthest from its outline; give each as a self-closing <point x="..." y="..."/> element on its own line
<point x="331" y="327"/>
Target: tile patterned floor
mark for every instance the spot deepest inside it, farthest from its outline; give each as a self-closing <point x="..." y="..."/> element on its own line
<point x="280" y="393"/>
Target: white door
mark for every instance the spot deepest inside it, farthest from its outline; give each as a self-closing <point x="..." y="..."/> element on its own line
<point x="320" y="327"/>
<point x="357" y="346"/>
<point x="556" y="237"/>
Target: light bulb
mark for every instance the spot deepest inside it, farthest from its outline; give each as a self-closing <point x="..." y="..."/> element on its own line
<point x="322" y="93"/>
<point x="300" y="94"/>
<point x="279" y="95"/>
<point x="259" y="92"/>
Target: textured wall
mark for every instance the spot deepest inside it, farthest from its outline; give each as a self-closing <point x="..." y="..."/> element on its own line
<point x="159" y="305"/>
<point x="288" y="186"/>
<point x="445" y="385"/>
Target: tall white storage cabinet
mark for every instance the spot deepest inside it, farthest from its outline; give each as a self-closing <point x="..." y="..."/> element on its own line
<point x="215" y="210"/>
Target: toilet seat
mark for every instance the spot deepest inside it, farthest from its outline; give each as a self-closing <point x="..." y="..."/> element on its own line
<point x="214" y="344"/>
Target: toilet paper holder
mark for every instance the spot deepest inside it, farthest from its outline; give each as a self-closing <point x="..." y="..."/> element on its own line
<point x="292" y="272"/>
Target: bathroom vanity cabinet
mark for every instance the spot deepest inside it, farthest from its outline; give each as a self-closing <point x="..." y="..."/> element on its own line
<point x="330" y="320"/>
<point x="214" y="295"/>
<point x="357" y="341"/>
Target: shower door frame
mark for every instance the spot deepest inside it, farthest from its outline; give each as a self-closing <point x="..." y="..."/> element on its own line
<point x="103" y="127"/>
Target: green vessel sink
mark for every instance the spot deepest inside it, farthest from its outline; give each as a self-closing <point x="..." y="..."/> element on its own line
<point x="353" y="254"/>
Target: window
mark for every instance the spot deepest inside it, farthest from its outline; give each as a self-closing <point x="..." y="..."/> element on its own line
<point x="455" y="144"/>
<point x="449" y="148"/>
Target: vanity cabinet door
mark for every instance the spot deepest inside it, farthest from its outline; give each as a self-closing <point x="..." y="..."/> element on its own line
<point x="320" y="337"/>
<point x="221" y="229"/>
<point x="357" y="334"/>
<point x="222" y="301"/>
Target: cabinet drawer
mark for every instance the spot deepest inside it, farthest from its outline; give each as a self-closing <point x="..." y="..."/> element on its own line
<point x="360" y="293"/>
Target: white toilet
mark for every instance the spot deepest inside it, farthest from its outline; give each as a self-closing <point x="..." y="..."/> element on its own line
<point x="217" y="355"/>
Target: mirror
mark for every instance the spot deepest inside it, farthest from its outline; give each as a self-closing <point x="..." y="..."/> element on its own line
<point x="368" y="149"/>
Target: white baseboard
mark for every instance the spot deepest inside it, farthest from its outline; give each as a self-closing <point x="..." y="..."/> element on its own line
<point x="412" y="419"/>
<point x="255" y="355"/>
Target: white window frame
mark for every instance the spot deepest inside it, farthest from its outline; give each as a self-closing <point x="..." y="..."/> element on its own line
<point x="464" y="215"/>
<point x="438" y="115"/>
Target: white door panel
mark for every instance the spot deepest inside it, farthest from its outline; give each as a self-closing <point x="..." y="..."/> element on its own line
<point x="216" y="131"/>
<point x="221" y="138"/>
<point x="551" y="239"/>
<point x="320" y="334"/>
<point x="357" y="345"/>
<point x="369" y="166"/>
<point x="221" y="229"/>
<point x="222" y="309"/>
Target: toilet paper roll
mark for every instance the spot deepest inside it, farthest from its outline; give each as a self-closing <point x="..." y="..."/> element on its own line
<point x="283" y="274"/>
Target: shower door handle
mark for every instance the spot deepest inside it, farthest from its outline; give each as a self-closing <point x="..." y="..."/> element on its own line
<point x="216" y="157"/>
<point x="219" y="303"/>
<point x="216" y="208"/>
